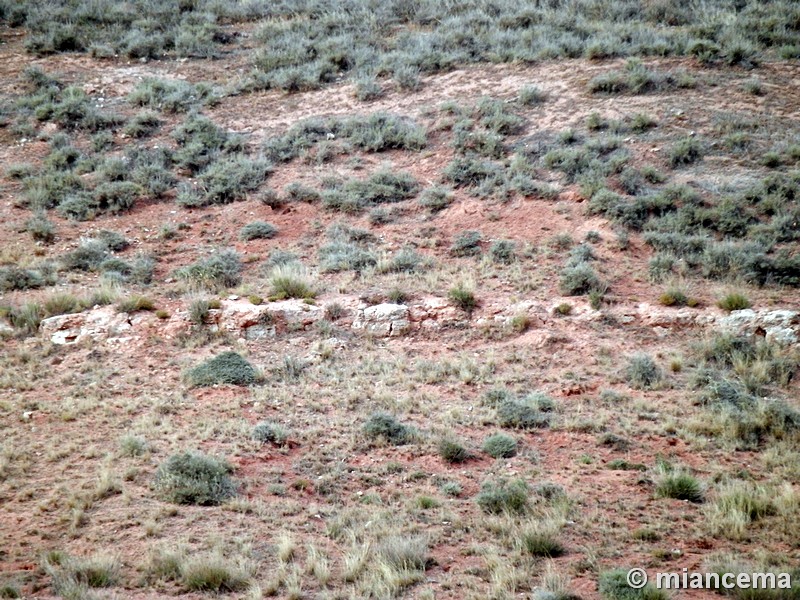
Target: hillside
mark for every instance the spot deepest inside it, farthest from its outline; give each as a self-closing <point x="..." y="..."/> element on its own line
<point x="397" y="299"/>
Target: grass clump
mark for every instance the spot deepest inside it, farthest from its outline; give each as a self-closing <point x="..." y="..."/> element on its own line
<point x="435" y="199"/>
<point x="503" y="496"/>
<point x="134" y="304"/>
<point x="500" y="445"/>
<point x="503" y="251"/>
<point x="613" y="585"/>
<point x="679" y="484"/>
<point x="270" y="432"/>
<point x="386" y="427"/>
<point x="290" y="281"/>
<point x="530" y="95"/>
<point x="734" y="301"/>
<point x="685" y="151"/>
<point x="636" y="78"/>
<point x="172" y="96"/>
<point x="219" y="271"/>
<point x="532" y="411"/>
<point x="213" y="573"/>
<point x="579" y="279"/>
<point x="542" y="541"/>
<point x="75" y="575"/>
<point x="224" y="181"/>
<point x="452" y="450"/>
<point x="226" y="368"/>
<point x="464" y="298"/>
<point x="194" y="478"/>
<point x="467" y="243"/>
<point x="642" y="372"/>
<point x="257" y="230"/>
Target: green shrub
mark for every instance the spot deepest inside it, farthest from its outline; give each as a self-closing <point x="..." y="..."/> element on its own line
<point x="16" y="278"/>
<point x="642" y="371"/>
<point x="503" y="496"/>
<point x="257" y="230"/>
<point x="503" y="251"/>
<point x="452" y="450"/>
<point x="226" y="368"/>
<point x="500" y="445"/>
<point x="613" y="585"/>
<point x="213" y="573"/>
<point x="343" y="256"/>
<point x="530" y="95"/>
<point x="220" y="270"/>
<point x="383" y="426"/>
<point x="172" y="96"/>
<point x="673" y="297"/>
<point x="290" y="281"/>
<point x="131" y="445"/>
<point x="301" y="193"/>
<point x="528" y="412"/>
<point x="685" y="152"/>
<point x="541" y="542"/>
<point x="463" y="298"/>
<point x="134" y="304"/>
<point x="142" y="125"/>
<point x="679" y="485"/>
<point x="62" y="304"/>
<point x="734" y="301"/>
<point x="579" y="279"/>
<point x="26" y="318"/>
<point x="40" y="228"/>
<point x="467" y="243"/>
<point x="472" y="172"/>
<point x="224" y="181"/>
<point x="435" y="199"/>
<point x="270" y="432"/>
<point x="194" y="478"/>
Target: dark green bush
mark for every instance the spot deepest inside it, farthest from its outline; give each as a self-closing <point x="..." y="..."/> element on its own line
<point x="257" y="230"/>
<point x="734" y="301"/>
<point x="386" y="427"/>
<point x="226" y="368"/>
<point x="503" y="496"/>
<point x="270" y="432"/>
<point x="613" y="585"/>
<point x="467" y="243"/>
<point x="581" y="278"/>
<point x="528" y="412"/>
<point x="642" y="371"/>
<point x="680" y="485"/>
<point x="172" y="96"/>
<point x="685" y="152"/>
<point x="226" y="180"/>
<point x="463" y="298"/>
<point x="435" y="198"/>
<point x="452" y="450"/>
<point x="194" y="478"/>
<point x="500" y="445"/>
<point x="221" y="270"/>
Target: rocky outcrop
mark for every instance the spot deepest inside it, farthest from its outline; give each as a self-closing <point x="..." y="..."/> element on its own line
<point x="383" y="319"/>
<point x="99" y="323"/>
<point x="779" y="326"/>
<point x="264" y="321"/>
